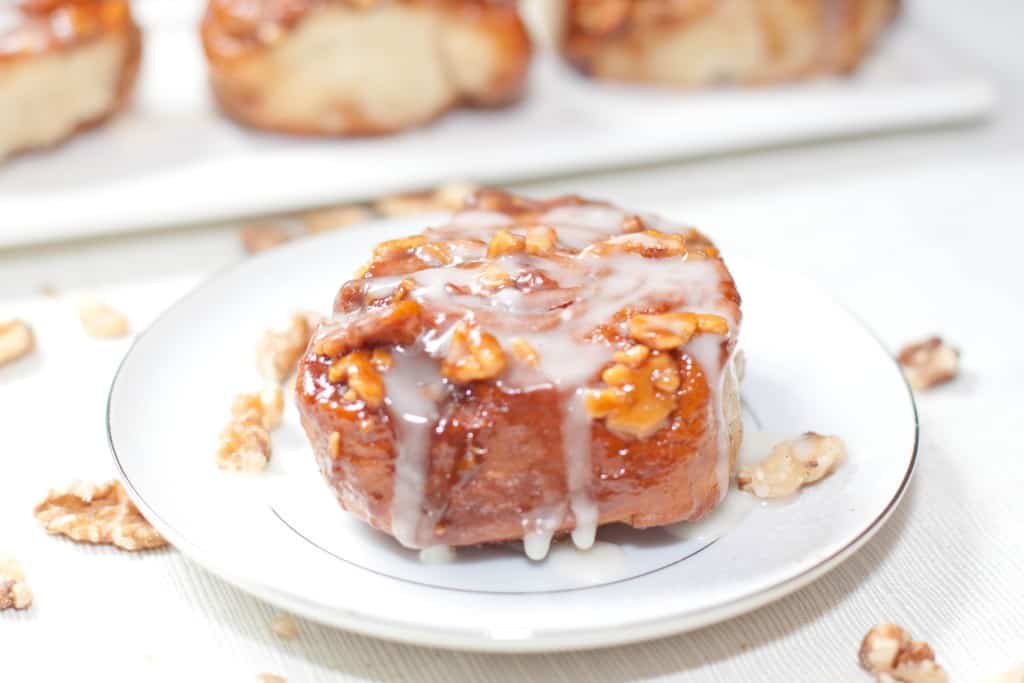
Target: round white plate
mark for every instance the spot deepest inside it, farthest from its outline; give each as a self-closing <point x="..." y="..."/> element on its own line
<point x="281" y="536"/>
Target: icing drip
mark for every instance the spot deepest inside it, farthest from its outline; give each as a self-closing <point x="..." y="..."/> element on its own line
<point x="412" y="393"/>
<point x="576" y="450"/>
<point x="538" y="530"/>
<point x="437" y="554"/>
<point x="707" y="351"/>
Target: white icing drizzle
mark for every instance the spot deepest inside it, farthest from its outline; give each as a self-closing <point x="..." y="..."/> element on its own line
<point x="437" y="554"/>
<point x="591" y="289"/>
<point x="412" y="393"/>
<point x="576" y="447"/>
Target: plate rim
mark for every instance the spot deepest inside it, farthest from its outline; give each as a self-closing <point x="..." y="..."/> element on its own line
<point x="472" y="640"/>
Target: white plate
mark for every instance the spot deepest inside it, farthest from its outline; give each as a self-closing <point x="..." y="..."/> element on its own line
<point x="281" y="536"/>
<point x="172" y="159"/>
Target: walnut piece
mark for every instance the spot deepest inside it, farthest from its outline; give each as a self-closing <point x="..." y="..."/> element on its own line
<point x="103" y="514"/>
<point x="264" y="408"/>
<point x="101" y="321"/>
<point x="396" y="324"/>
<point x="672" y="330"/>
<point x="541" y="239"/>
<point x="793" y="464"/>
<point x="257" y="237"/>
<point x="16" y="341"/>
<point x="334" y="218"/>
<point x="929" y="363"/>
<point x="360" y="370"/>
<point x="634" y="356"/>
<point x="14" y="591"/>
<point x="279" y="350"/>
<point x="271" y="678"/>
<point x="889" y="653"/>
<point x="639" y="397"/>
<point x="447" y="197"/>
<point x="648" y="243"/>
<point x="494" y="277"/>
<point x="504" y="242"/>
<point x="473" y="355"/>
<point x="244" y="444"/>
<point x="284" y="627"/>
<point x="524" y="351"/>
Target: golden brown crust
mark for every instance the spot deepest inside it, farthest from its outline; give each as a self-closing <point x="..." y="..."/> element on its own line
<point x="494" y="457"/>
<point x="694" y="43"/>
<point x="48" y="26"/>
<point x="238" y="34"/>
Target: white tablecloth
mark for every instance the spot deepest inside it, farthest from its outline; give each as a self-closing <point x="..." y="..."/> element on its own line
<point x="918" y="233"/>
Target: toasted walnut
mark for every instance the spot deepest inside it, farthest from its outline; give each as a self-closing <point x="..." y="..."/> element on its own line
<point x="334" y="218"/>
<point x="889" y="653"/>
<point x="244" y="444"/>
<point x="257" y="237"/>
<point x="671" y="330"/>
<point x="279" y="350"/>
<point x="243" y="447"/>
<point x="504" y="242"/>
<point x="493" y="276"/>
<point x="793" y="464"/>
<point x="638" y="399"/>
<point x="264" y="408"/>
<point x="271" y="678"/>
<point x="16" y="341"/>
<point x="101" y="321"/>
<point x="473" y="355"/>
<point x="541" y="239"/>
<point x="381" y="359"/>
<point x="648" y="243"/>
<point x="396" y="324"/>
<point x="14" y="591"/>
<point x="358" y="370"/>
<point x="929" y="363"/>
<point x="90" y="513"/>
<point x="634" y="356"/>
<point x="284" y="627"/>
<point x="448" y="197"/>
<point x="524" y="351"/>
<point x="389" y="249"/>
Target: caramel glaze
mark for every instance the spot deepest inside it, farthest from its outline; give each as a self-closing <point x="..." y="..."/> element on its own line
<point x="842" y="29"/>
<point x="44" y="26"/>
<point x="495" y="461"/>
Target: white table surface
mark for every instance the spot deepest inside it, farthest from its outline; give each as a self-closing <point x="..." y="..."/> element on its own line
<point x="917" y="233"/>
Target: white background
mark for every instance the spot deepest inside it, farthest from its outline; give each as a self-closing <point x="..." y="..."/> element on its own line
<point x="917" y="233"/>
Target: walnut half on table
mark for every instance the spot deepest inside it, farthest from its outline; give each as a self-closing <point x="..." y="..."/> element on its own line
<point x="16" y="341"/>
<point x="929" y="363"/>
<point x="14" y="591"/>
<point x="101" y="514"/>
<point x="889" y="653"/>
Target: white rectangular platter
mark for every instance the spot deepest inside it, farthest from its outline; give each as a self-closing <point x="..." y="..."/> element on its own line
<point x="172" y="159"/>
